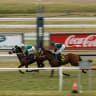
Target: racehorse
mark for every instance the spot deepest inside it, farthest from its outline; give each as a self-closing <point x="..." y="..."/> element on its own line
<point x="24" y="61"/>
<point x="71" y="58"/>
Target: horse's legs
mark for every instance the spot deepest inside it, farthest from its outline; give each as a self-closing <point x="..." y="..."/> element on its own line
<point x="84" y="71"/>
<point x="26" y="66"/>
<point x="52" y="72"/>
<point x="77" y="65"/>
<point x="30" y="70"/>
<point x="66" y="74"/>
<point x="40" y="64"/>
<point x="20" y="67"/>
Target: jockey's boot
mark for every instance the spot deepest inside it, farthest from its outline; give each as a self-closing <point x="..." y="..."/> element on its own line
<point x="59" y="55"/>
<point x="59" y="58"/>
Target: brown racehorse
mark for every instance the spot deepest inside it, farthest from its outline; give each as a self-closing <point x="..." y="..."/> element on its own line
<point x="71" y="58"/>
<point x="24" y="61"/>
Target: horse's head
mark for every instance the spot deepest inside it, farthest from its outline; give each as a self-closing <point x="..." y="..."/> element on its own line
<point x="15" y="49"/>
<point x="12" y="51"/>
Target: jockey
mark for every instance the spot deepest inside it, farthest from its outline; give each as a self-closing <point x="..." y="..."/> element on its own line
<point x="27" y="48"/>
<point x="58" y="45"/>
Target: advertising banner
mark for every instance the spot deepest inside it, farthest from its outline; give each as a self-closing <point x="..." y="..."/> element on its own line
<point x="8" y="40"/>
<point x="75" y="40"/>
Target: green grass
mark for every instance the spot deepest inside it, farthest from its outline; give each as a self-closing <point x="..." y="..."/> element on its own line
<point x="12" y="83"/>
<point x="11" y="8"/>
<point x="40" y="84"/>
<point x="50" y="30"/>
<point x="29" y="7"/>
<point x="44" y="93"/>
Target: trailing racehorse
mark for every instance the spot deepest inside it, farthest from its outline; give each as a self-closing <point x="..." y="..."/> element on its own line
<point x="71" y="58"/>
<point x="25" y="61"/>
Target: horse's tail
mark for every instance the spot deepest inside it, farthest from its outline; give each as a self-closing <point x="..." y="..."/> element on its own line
<point x="90" y="61"/>
<point x="80" y="59"/>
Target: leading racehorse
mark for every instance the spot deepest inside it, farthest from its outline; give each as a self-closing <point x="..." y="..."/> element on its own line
<point x="71" y="58"/>
<point x="24" y="61"/>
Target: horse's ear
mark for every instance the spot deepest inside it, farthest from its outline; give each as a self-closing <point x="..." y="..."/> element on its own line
<point x="16" y="46"/>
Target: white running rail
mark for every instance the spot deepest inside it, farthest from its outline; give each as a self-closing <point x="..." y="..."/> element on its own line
<point x="52" y="26"/>
<point x="51" y="19"/>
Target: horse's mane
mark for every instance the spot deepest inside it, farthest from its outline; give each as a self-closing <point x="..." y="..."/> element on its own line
<point x="18" y="48"/>
<point x="50" y="52"/>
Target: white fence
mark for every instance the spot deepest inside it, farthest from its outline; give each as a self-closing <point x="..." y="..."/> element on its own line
<point x="51" y="26"/>
<point x="51" y="19"/>
<point x="32" y="36"/>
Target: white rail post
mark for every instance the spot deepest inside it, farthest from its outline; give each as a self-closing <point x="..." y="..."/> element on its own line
<point x="60" y="79"/>
<point x="85" y="64"/>
<point x="79" y="80"/>
<point x="90" y="79"/>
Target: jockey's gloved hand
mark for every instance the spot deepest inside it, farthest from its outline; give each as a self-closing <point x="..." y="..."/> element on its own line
<point x="55" y="50"/>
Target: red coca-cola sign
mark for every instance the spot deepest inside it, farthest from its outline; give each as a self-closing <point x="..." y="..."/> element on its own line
<point x="75" y="41"/>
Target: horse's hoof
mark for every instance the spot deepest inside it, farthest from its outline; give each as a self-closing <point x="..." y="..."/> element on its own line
<point x="35" y="70"/>
<point x="21" y="72"/>
<point x="29" y="70"/>
<point x="66" y="74"/>
<point x="32" y="70"/>
<point x="84" y="72"/>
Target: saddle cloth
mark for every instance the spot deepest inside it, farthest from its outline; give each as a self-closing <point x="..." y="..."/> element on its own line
<point x="32" y="56"/>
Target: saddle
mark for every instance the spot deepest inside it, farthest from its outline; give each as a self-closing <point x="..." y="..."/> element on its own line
<point x="60" y="58"/>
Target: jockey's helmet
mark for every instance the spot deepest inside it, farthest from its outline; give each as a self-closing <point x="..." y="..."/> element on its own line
<point x="52" y="43"/>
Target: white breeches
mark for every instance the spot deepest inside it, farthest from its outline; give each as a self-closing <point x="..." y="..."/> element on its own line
<point x="31" y="49"/>
<point x="61" y="49"/>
